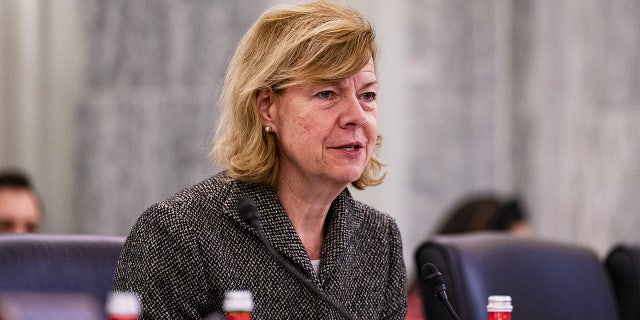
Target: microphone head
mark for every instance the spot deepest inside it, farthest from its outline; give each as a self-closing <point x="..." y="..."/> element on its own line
<point x="434" y="279"/>
<point x="429" y="270"/>
<point x="248" y="211"/>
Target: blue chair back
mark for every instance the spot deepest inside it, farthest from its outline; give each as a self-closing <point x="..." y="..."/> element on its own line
<point x="69" y="264"/>
<point x="546" y="280"/>
<point x="623" y="265"/>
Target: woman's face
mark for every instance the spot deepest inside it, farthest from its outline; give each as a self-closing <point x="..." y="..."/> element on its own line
<point x="326" y="133"/>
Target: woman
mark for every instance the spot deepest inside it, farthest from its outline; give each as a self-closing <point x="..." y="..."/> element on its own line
<point x="299" y="124"/>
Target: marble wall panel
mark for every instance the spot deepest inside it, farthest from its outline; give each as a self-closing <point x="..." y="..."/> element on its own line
<point x="535" y="98"/>
<point x="146" y="119"/>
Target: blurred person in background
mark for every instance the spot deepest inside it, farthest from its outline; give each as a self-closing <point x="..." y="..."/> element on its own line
<point x="487" y="212"/>
<point x="20" y="210"/>
<point x="484" y="212"/>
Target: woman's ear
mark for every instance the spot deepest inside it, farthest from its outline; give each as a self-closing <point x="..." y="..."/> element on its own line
<point x="264" y="101"/>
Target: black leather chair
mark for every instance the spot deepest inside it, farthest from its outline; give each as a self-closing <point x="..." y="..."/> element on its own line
<point x="62" y="264"/>
<point x="546" y="280"/>
<point x="623" y="264"/>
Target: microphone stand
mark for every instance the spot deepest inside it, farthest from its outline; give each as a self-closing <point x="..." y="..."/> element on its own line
<point x="435" y="280"/>
<point x="249" y="212"/>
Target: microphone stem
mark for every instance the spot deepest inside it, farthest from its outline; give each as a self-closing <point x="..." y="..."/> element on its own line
<point x="305" y="281"/>
<point x="450" y="308"/>
<point x="249" y="212"/>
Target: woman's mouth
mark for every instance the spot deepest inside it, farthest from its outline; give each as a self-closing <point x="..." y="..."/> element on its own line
<point x="350" y="148"/>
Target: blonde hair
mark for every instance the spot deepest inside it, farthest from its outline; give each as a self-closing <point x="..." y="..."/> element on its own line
<point x="315" y="42"/>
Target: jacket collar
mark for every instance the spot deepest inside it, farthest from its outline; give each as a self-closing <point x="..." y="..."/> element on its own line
<point x="341" y="223"/>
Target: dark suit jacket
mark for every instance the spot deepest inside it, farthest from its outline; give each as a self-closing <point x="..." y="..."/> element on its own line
<point x="184" y="253"/>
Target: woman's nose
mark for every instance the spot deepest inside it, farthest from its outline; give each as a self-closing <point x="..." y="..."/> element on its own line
<point x="352" y="114"/>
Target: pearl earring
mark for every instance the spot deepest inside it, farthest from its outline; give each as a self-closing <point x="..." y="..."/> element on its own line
<point x="267" y="129"/>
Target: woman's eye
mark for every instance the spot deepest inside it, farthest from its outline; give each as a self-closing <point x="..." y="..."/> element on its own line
<point x="369" y="96"/>
<point x="325" y="94"/>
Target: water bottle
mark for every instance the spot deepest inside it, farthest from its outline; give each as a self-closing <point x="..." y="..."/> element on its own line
<point x="122" y="305"/>
<point x="238" y="305"/>
<point x="499" y="308"/>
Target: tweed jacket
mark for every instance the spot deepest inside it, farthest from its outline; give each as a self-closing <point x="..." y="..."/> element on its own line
<point x="184" y="253"/>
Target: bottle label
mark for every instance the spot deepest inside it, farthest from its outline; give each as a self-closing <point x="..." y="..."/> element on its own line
<point x="499" y="315"/>
<point x="239" y="315"/>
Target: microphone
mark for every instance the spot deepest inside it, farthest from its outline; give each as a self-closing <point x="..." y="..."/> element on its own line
<point x="249" y="212"/>
<point x="434" y="279"/>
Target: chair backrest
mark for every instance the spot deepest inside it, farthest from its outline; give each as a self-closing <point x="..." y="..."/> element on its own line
<point x="623" y="264"/>
<point x="49" y="306"/>
<point x="44" y="263"/>
<point x="546" y="280"/>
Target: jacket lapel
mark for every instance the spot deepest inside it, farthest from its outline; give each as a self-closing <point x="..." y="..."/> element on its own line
<point x="342" y="223"/>
<point x="275" y="224"/>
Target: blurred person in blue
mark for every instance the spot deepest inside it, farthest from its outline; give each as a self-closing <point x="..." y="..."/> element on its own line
<point x="20" y="209"/>
<point x="298" y="126"/>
